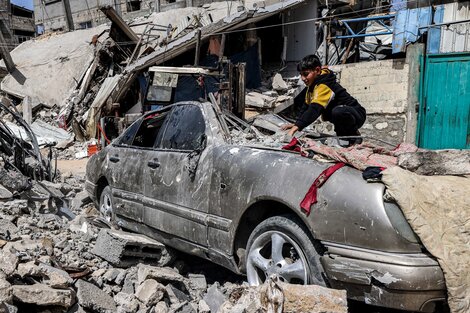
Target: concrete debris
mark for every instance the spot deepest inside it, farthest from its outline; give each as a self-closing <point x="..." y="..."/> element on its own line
<point x="93" y="298"/>
<point x="214" y="298"/>
<point x="150" y="292"/>
<point x="43" y="295"/>
<point x="258" y="100"/>
<point x="276" y="296"/>
<point x="279" y="84"/>
<point x="8" y="262"/>
<point x="270" y="122"/>
<point x="161" y="274"/>
<point x="436" y="162"/>
<point x="124" y="249"/>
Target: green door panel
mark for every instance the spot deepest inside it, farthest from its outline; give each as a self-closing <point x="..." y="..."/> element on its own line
<point x="445" y="103"/>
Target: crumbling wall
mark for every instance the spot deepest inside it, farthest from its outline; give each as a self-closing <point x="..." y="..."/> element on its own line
<point x="382" y="87"/>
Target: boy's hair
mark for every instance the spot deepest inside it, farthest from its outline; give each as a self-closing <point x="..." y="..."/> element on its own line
<point x="309" y="62"/>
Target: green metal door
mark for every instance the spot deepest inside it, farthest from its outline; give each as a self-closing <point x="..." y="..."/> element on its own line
<point x="445" y="103"/>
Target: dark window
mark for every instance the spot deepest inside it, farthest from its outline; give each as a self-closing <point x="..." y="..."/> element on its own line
<point x="148" y="134"/>
<point x="129" y="134"/>
<point x="133" y="5"/>
<point x="85" y="25"/>
<point x="185" y="130"/>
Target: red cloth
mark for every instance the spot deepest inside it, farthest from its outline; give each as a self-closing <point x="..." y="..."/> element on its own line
<point x="311" y="195"/>
<point x="294" y="145"/>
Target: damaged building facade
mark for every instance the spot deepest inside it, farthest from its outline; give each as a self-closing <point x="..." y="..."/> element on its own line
<point x="17" y="24"/>
<point x="381" y="58"/>
<point x="52" y="15"/>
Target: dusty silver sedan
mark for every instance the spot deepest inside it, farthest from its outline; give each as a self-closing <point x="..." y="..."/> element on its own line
<point x="174" y="175"/>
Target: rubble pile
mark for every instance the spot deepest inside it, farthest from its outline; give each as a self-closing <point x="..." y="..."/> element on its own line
<point x="49" y="263"/>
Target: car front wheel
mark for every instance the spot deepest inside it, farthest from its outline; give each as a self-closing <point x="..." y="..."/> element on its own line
<point x="282" y="246"/>
<point x="107" y="205"/>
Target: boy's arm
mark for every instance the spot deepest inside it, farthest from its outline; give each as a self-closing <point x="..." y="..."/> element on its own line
<point x="309" y="115"/>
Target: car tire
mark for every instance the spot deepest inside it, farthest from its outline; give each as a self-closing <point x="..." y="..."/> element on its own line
<point x="282" y="246"/>
<point x="107" y="205"/>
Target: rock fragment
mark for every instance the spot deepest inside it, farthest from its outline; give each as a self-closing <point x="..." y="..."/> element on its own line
<point x="150" y="292"/>
<point x="92" y="298"/>
<point x="43" y="295"/>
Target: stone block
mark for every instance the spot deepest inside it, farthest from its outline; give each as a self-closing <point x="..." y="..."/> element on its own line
<point x="8" y="261"/>
<point x="42" y="295"/>
<point x="161" y="274"/>
<point x="93" y="298"/>
<point x="6" y="294"/>
<point x="150" y="292"/>
<point x="278" y="83"/>
<point x="214" y="298"/>
<point x="8" y="230"/>
<point x="126" y="249"/>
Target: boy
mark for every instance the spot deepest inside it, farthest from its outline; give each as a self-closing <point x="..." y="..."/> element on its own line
<point x="327" y="98"/>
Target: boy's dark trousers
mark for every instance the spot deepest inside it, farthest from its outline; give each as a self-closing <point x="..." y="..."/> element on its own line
<point x="348" y="119"/>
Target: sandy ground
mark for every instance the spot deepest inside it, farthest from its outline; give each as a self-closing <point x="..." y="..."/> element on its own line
<point x="75" y="167"/>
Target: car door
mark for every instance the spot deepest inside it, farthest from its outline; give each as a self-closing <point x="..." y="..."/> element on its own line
<point x="177" y="177"/>
<point x="124" y="166"/>
<point x="127" y="161"/>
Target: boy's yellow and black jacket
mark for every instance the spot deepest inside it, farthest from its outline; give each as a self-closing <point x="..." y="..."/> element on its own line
<point x="324" y="95"/>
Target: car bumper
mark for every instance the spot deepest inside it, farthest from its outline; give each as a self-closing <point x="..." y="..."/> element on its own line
<point x="91" y="190"/>
<point x="413" y="282"/>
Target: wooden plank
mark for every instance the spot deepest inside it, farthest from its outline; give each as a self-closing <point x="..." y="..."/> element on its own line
<point x="119" y="23"/>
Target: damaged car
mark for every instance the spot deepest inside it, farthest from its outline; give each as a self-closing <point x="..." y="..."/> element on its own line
<point x="176" y="175"/>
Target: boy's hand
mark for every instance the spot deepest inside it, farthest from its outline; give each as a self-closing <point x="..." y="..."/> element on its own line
<point x="287" y="126"/>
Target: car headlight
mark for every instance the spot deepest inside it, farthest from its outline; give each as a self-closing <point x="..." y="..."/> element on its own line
<point x="399" y="222"/>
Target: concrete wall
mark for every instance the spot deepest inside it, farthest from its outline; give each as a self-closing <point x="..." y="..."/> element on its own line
<point x="388" y="90"/>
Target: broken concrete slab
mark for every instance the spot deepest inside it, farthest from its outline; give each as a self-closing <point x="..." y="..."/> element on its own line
<point x="271" y="122"/>
<point x="5" y="194"/>
<point x="214" y="298"/>
<point x="308" y="298"/>
<point x="93" y="298"/>
<point x="125" y="249"/>
<point x="8" y="230"/>
<point x="8" y="261"/>
<point x="127" y="303"/>
<point x="275" y="296"/>
<point x="65" y="57"/>
<point x="436" y="162"/>
<point x="6" y="294"/>
<point x="161" y="307"/>
<point x="278" y="83"/>
<point x="161" y="274"/>
<point x="150" y="292"/>
<point x="80" y="200"/>
<point x="203" y="307"/>
<point x="175" y="295"/>
<point x="43" y="295"/>
<point x="258" y="100"/>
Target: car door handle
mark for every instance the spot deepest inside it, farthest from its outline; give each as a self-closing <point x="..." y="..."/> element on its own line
<point x="114" y="159"/>
<point x="153" y="164"/>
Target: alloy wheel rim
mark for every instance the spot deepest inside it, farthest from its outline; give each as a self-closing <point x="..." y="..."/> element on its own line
<point x="275" y="254"/>
<point x="106" y="208"/>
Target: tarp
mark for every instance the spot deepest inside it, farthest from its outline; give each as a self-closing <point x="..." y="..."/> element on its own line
<point x="109" y="84"/>
<point x="438" y="210"/>
<point x="45" y="133"/>
<point x="50" y="68"/>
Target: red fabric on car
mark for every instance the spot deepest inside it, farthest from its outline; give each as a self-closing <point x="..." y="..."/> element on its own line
<point x="311" y="196"/>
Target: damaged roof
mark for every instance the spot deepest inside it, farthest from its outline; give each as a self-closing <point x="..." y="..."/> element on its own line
<point x="50" y="68"/>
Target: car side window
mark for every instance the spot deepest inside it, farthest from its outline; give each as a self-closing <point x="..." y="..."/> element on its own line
<point x="150" y="127"/>
<point x="185" y="130"/>
<point x="129" y="134"/>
